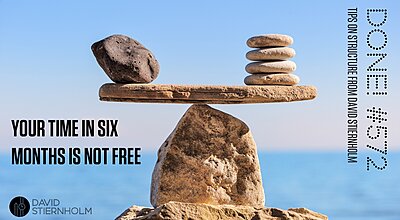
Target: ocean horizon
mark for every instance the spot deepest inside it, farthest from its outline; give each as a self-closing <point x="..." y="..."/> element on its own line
<point x="320" y="181"/>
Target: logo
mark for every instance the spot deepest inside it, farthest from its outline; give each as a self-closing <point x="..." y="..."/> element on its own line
<point x="19" y="206"/>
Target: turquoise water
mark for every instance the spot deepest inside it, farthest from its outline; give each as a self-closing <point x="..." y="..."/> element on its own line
<point x="323" y="182"/>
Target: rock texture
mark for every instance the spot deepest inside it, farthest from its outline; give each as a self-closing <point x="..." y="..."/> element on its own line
<point x="272" y="79"/>
<point x="177" y="210"/>
<point x="204" y="93"/>
<point x="270" y="40"/>
<point x="211" y="158"/>
<point x="274" y="53"/>
<point x="271" y="67"/>
<point x="125" y="60"/>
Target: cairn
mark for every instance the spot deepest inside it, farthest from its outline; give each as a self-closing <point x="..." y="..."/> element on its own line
<point x="272" y="65"/>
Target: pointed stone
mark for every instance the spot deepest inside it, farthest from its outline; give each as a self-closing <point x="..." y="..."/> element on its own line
<point x="210" y="158"/>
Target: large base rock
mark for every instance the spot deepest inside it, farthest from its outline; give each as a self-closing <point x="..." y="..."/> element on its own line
<point x="209" y="158"/>
<point x="177" y="210"/>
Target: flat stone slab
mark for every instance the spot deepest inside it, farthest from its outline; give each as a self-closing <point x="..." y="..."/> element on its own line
<point x="208" y="94"/>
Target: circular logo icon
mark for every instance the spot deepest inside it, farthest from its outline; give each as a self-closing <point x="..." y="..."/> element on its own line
<point x="19" y="206"/>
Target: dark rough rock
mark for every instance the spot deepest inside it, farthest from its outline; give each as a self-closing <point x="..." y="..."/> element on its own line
<point x="125" y="60"/>
<point x="211" y="158"/>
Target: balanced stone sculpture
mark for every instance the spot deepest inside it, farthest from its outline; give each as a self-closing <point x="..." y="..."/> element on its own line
<point x="208" y="166"/>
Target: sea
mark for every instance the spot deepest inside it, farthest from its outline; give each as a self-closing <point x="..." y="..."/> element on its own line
<point x="323" y="182"/>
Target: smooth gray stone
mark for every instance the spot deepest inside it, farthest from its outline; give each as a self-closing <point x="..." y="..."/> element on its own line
<point x="273" y="53"/>
<point x="283" y="79"/>
<point x="285" y="66"/>
<point x="270" y="40"/>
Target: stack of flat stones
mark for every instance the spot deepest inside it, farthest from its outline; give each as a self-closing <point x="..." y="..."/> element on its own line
<point x="271" y="64"/>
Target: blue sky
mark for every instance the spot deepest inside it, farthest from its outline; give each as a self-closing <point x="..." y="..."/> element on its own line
<point x="48" y="71"/>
